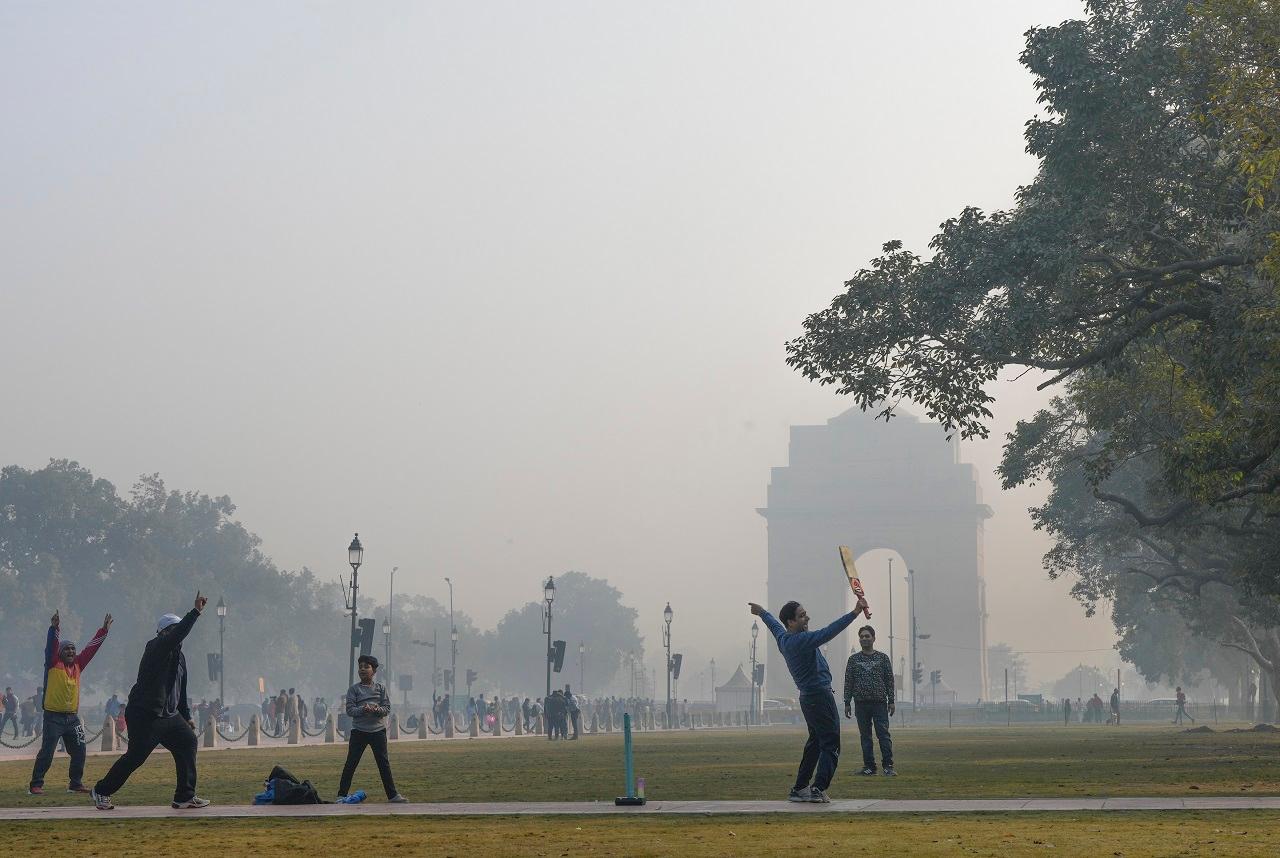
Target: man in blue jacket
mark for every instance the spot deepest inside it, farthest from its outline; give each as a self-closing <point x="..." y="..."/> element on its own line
<point x="812" y="676"/>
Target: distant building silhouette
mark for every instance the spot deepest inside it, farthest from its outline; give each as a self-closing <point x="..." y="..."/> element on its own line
<point x="863" y="483"/>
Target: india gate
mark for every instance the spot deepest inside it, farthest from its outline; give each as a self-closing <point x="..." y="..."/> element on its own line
<point x="868" y="484"/>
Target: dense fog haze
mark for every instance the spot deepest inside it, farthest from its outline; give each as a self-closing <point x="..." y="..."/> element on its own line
<point x="502" y="286"/>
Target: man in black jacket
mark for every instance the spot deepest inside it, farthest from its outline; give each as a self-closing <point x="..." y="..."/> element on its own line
<point x="158" y="714"/>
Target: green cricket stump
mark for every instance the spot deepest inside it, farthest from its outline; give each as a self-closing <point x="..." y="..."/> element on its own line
<point x="630" y="799"/>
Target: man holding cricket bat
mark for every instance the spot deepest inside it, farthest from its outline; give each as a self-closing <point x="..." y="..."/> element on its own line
<point x="812" y="676"/>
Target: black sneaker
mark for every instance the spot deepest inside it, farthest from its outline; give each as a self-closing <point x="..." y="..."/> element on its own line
<point x="868" y="771"/>
<point x="798" y="795"/>
<point x="817" y="796"/>
<point x="889" y="772"/>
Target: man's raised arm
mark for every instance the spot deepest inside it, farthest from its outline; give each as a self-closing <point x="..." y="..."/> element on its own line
<point x="770" y="621"/>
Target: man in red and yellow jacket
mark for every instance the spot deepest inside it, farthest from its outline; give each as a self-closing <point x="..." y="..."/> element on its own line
<point x="63" y="666"/>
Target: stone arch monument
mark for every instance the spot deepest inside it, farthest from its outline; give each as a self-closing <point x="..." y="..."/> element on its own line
<point x="868" y="484"/>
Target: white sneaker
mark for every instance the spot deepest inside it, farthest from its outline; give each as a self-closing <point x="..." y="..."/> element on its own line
<point x="193" y="803"/>
<point x="101" y="802"/>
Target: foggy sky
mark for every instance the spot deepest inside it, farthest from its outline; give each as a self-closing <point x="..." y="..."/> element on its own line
<point x="502" y="286"/>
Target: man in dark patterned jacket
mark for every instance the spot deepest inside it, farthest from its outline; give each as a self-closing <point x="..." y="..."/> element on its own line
<point x="868" y="683"/>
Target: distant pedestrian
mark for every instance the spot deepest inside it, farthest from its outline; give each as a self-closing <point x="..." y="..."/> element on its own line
<point x="868" y="683"/>
<point x="1066" y="711"/>
<point x="1115" y="706"/>
<point x="574" y="711"/>
<point x="63" y="666"/>
<point x="1181" y="712"/>
<point x="27" y="710"/>
<point x="10" y="711"/>
<point x="159" y="713"/>
<point x="809" y="670"/>
<point x="368" y="705"/>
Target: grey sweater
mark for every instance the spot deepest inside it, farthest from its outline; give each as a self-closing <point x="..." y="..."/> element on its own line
<point x="360" y="694"/>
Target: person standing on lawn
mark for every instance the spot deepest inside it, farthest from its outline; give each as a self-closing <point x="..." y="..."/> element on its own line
<point x="158" y="713"/>
<point x="868" y="683"/>
<point x="368" y="705"/>
<point x="63" y="667"/>
<point x="812" y="676"/>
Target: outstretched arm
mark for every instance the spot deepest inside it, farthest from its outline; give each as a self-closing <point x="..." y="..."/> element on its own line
<point x="91" y="648"/>
<point x="183" y="628"/>
<point x="822" y="636"/>
<point x="770" y="622"/>
<point x="51" y="641"/>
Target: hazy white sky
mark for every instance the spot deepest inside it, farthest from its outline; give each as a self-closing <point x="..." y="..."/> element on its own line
<point x="503" y="286"/>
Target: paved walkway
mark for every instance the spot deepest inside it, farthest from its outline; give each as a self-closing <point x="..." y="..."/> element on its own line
<point x="703" y="808"/>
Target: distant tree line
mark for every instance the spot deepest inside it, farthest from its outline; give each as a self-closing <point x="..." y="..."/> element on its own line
<point x="70" y="541"/>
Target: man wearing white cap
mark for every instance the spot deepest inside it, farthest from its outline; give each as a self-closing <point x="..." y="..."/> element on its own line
<point x="158" y="713"/>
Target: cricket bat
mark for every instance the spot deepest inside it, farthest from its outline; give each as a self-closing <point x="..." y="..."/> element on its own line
<point x="846" y="559"/>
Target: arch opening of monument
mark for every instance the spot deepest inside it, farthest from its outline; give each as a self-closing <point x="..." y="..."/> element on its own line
<point x="885" y="490"/>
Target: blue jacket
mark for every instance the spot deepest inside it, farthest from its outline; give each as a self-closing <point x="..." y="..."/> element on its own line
<point x="800" y="650"/>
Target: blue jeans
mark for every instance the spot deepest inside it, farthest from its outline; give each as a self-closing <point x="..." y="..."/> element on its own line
<point x="874" y="713"/>
<point x="67" y="727"/>
<point x="822" y="750"/>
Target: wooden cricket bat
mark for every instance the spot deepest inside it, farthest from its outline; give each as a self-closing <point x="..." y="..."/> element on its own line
<point x="851" y="571"/>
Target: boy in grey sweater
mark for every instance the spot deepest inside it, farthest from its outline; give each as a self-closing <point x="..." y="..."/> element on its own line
<point x="368" y="705"/>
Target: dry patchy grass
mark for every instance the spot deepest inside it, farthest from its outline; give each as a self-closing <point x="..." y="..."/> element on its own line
<point x="1129" y="835"/>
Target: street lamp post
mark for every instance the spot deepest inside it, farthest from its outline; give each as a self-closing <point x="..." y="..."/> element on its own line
<point x="911" y="599"/>
<point x="386" y="649"/>
<point x="549" y="595"/>
<point x="666" y="641"/>
<point x="453" y="649"/>
<point x="386" y="627"/>
<point x="355" y="556"/>
<point x="222" y="674"/>
<point x="582" y="667"/>
<point x="892" y="661"/>
<point x="755" y="632"/>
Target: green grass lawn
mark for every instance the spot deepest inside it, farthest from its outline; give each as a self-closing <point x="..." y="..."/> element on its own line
<point x="933" y="763"/>
<point x="1237" y="834"/>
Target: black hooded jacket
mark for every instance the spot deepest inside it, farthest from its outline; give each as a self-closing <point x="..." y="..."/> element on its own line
<point x="160" y="661"/>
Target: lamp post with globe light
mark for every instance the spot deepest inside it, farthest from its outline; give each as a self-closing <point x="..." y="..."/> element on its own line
<point x="666" y="642"/>
<point x="222" y="675"/>
<point x="355" y="556"/>
<point x="549" y="596"/>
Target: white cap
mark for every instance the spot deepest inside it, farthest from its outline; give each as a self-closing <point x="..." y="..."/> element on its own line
<point x="166" y="621"/>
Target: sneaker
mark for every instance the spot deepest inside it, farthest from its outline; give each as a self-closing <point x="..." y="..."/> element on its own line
<point x="101" y="802"/>
<point x="398" y="799"/>
<point x="817" y="796"/>
<point x="798" y="795"/>
<point x="35" y="790"/>
<point x="78" y="788"/>
<point x="193" y="803"/>
<point x="889" y="772"/>
<point x="868" y="771"/>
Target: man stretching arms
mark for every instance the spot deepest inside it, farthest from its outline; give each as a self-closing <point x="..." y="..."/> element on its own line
<point x="868" y="683"/>
<point x="62" y="667"/>
<point x="158" y="713"/>
<point x="812" y="676"/>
